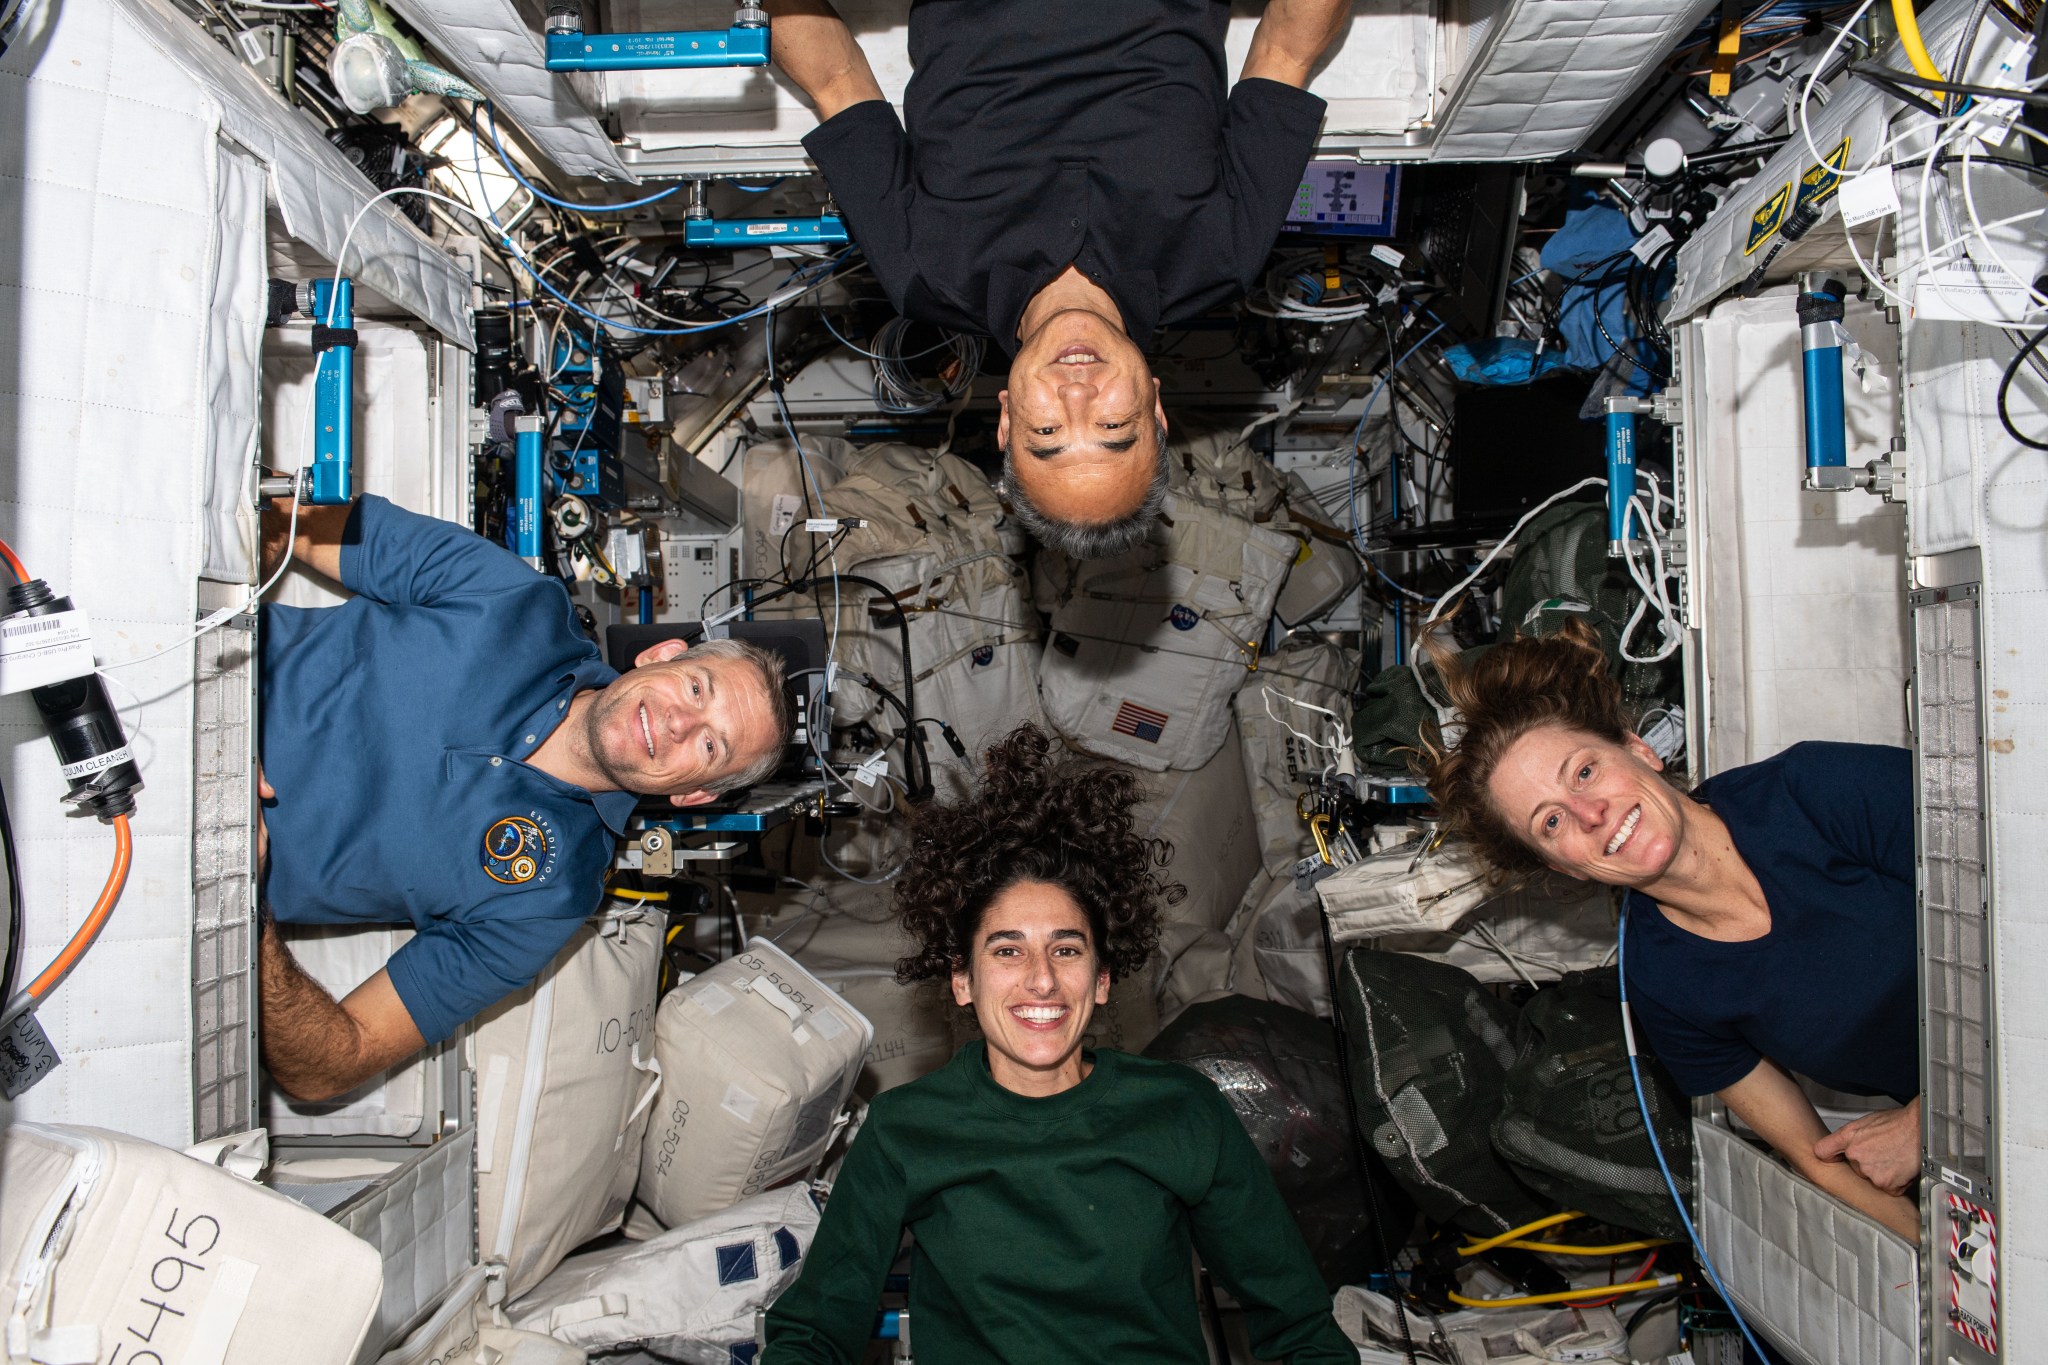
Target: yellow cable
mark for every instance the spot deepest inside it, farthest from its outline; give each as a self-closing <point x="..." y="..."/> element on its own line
<point x="1513" y="1234"/>
<point x="1561" y="1249"/>
<point x="1909" y="38"/>
<point x="1567" y="1295"/>
<point x="627" y="893"/>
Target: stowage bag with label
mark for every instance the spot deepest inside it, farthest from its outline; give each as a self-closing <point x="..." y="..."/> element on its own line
<point x="758" y="1059"/>
<point x="112" y="1248"/>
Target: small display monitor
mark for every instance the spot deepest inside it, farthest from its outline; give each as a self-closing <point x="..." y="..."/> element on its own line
<point x="1345" y="199"/>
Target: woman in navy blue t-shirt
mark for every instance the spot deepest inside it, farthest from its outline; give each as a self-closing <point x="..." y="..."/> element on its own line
<point x="1770" y="912"/>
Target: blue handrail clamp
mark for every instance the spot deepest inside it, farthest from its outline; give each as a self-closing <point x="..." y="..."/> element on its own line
<point x="569" y="48"/>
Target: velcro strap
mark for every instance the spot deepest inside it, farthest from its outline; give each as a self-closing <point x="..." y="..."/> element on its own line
<point x="586" y="1310"/>
<point x="78" y="1344"/>
<point x="327" y="338"/>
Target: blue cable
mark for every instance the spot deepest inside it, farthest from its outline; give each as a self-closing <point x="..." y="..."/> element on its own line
<point x="1359" y="431"/>
<point x="1635" y="1072"/>
<point x="537" y="192"/>
<point x="756" y="189"/>
<point x="476" y="159"/>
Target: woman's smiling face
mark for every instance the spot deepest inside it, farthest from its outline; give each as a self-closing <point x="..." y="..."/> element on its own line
<point x="1590" y="808"/>
<point x="1033" y="978"/>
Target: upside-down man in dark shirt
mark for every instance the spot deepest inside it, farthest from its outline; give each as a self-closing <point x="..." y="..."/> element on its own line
<point x="1071" y="178"/>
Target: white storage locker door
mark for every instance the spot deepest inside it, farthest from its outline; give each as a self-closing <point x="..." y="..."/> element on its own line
<point x="125" y="216"/>
<point x="1803" y="613"/>
<point x="689" y="1294"/>
<point x="115" y="1248"/>
<point x="391" y="1104"/>
<point x="758" y="1059"/>
<point x="565" y="1077"/>
<point x="1146" y="649"/>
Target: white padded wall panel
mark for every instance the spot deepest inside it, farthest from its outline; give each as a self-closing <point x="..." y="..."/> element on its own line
<point x="1376" y="78"/>
<point x="491" y="43"/>
<point x="109" y="239"/>
<point x="1556" y="70"/>
<point x="1829" y="1286"/>
<point x="233" y="375"/>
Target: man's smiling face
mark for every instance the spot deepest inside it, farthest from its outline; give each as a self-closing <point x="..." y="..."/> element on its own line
<point x="673" y="727"/>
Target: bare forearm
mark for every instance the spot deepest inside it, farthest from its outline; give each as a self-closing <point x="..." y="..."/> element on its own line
<point x="311" y="1047"/>
<point x="1841" y="1180"/>
<point x="816" y="50"/>
<point x="314" y="539"/>
<point x="1291" y="38"/>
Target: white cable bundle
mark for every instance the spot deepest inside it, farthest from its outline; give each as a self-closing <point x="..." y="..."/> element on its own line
<point x="897" y="390"/>
<point x="1295" y="288"/>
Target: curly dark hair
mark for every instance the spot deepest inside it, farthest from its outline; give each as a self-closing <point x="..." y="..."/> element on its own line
<point x="1560" y="679"/>
<point x="1037" y="814"/>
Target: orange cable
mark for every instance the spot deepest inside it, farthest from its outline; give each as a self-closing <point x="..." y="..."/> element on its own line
<point x="13" y="563"/>
<point x="124" y="845"/>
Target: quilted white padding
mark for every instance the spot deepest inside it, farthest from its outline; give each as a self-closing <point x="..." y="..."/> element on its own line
<point x="422" y="1220"/>
<point x="151" y="53"/>
<point x="1555" y="72"/>
<point x="489" y="42"/>
<point x="108" y="234"/>
<point x="1826" y="1283"/>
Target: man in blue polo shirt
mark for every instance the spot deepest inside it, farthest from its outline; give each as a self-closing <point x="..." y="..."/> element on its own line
<point x="448" y="750"/>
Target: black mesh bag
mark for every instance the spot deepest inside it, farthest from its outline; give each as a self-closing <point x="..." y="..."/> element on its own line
<point x="1429" y="1050"/>
<point x="1387" y="723"/>
<point x="1278" y="1068"/>
<point x="1569" y="1123"/>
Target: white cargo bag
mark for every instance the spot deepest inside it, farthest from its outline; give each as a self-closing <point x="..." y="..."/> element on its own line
<point x="1147" y="648"/>
<point x="937" y="539"/>
<point x="689" y="1294"/>
<point x="1285" y="938"/>
<point x="848" y="936"/>
<point x="565" y="1078"/>
<point x="1286" y="742"/>
<point x="775" y="496"/>
<point x="1194" y="965"/>
<point x="758" y="1059"/>
<point x="466" y="1329"/>
<point x="1205" y="813"/>
<point x="1408" y="888"/>
<point x="115" y="1248"/>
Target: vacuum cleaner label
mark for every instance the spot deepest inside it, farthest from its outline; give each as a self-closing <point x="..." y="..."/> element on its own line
<point x="98" y="763"/>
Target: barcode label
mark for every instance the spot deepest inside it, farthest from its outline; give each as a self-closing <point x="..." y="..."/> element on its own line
<point x="36" y="651"/>
<point x="35" y="625"/>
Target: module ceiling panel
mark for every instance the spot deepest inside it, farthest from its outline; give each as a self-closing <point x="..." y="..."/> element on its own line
<point x="496" y="44"/>
<point x="1466" y="80"/>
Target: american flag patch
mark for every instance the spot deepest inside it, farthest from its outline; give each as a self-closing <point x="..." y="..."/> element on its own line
<point x="1139" y="722"/>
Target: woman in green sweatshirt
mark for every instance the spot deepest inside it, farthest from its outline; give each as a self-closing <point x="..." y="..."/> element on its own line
<point x="1055" y="1193"/>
